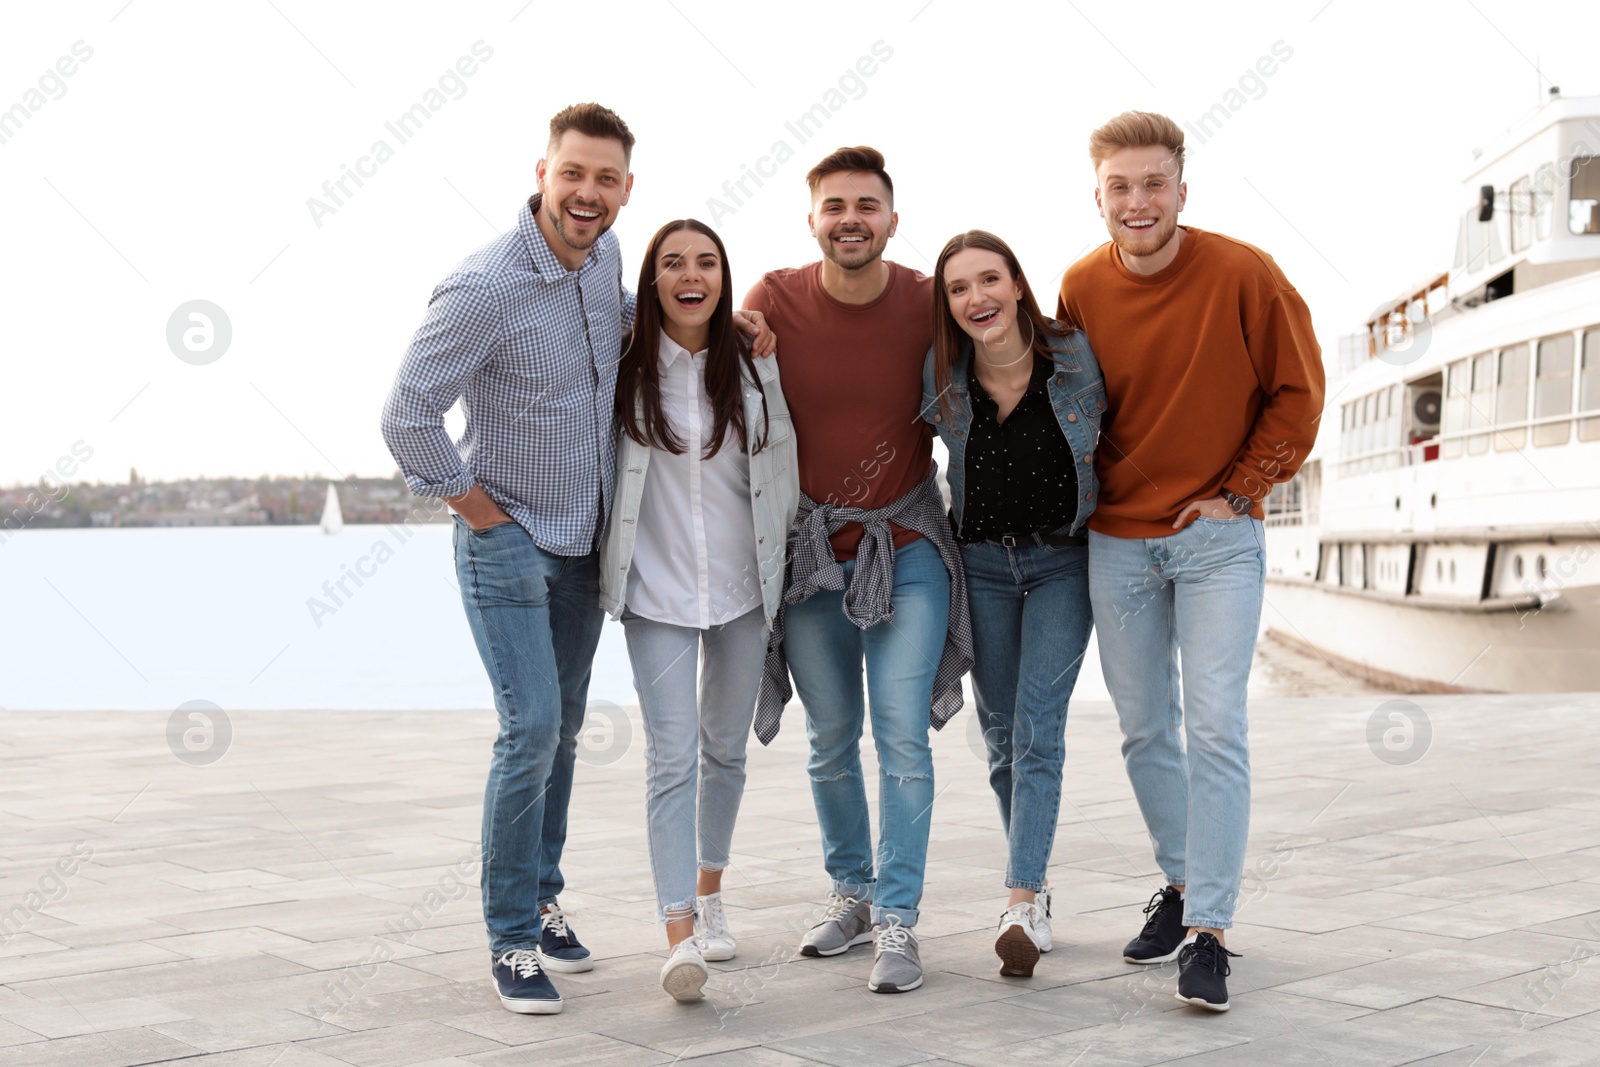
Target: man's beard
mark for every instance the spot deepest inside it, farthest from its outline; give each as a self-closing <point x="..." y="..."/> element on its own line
<point x="558" y="219"/>
<point x="864" y="254"/>
<point x="1147" y="243"/>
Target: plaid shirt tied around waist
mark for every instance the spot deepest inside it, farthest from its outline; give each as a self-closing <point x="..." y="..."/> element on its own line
<point x="868" y="600"/>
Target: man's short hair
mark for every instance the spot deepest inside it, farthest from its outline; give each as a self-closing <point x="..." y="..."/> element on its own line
<point x="592" y="120"/>
<point x="859" y="159"/>
<point x="1137" y="129"/>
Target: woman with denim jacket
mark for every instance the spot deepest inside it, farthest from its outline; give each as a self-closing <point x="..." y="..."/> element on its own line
<point x="1017" y="399"/>
<point x="693" y="562"/>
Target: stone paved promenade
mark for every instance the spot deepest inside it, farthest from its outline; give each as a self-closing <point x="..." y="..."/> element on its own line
<point x="299" y="902"/>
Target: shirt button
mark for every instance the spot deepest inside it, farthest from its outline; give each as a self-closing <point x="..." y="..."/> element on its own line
<point x="1072" y="416"/>
<point x="938" y="418"/>
<point x="1061" y="379"/>
<point x="758" y="492"/>
<point x="1088" y="459"/>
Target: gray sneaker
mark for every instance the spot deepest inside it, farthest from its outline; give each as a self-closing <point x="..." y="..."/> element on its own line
<point x="846" y="922"/>
<point x="898" y="965"/>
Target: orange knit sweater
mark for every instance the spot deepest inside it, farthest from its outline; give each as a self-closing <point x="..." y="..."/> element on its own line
<point x="1213" y="378"/>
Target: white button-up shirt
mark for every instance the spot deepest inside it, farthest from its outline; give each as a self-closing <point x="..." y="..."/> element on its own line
<point x="694" y="556"/>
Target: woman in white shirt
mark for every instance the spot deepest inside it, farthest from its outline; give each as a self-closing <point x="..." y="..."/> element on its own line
<point x="693" y="562"/>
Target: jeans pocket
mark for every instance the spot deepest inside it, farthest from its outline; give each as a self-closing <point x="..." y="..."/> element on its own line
<point x="487" y="531"/>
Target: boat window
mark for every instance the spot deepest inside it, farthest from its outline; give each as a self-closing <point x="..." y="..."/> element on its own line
<point x="1511" y="399"/>
<point x="1391" y="426"/>
<point x="1477" y="237"/>
<point x="1455" y="409"/>
<point x="1589" y="385"/>
<point x="1478" y="403"/>
<point x="1583" y="210"/>
<point x="1552" y="390"/>
<point x="1521" y="208"/>
<point x="1544" y="196"/>
<point x="1368" y="423"/>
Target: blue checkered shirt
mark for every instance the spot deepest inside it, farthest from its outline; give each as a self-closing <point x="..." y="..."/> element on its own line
<point x="530" y="349"/>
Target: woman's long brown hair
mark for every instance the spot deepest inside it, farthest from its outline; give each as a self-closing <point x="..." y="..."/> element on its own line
<point x="948" y="336"/>
<point x="639" y="412"/>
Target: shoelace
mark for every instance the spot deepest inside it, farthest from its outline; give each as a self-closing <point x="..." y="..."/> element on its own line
<point x="1018" y="914"/>
<point x="524" y="962"/>
<point x="837" y="906"/>
<point x="692" y="943"/>
<point x="892" y="937"/>
<point x="555" y="920"/>
<point x="712" y="917"/>
<point x="1153" y="910"/>
<point x="1209" y="953"/>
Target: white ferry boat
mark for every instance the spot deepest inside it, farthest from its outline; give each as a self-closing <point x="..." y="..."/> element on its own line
<point x="1444" y="533"/>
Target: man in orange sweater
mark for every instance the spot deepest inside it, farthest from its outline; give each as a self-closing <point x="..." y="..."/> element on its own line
<point x="1214" y="383"/>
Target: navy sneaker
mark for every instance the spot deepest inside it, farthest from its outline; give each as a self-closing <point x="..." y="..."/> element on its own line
<point x="523" y="985"/>
<point x="1202" y="970"/>
<point x="1163" y="931"/>
<point x="559" y="949"/>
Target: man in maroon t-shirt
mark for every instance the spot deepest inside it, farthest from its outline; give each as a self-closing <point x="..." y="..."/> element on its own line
<point x="855" y="330"/>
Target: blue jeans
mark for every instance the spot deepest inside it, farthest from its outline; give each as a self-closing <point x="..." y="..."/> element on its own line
<point x="1196" y="593"/>
<point x="696" y="724"/>
<point x="825" y="652"/>
<point x="536" y="620"/>
<point x="1030" y="627"/>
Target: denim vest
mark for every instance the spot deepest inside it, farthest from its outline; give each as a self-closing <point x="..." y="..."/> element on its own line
<point x="1077" y="394"/>
<point x="774" y="496"/>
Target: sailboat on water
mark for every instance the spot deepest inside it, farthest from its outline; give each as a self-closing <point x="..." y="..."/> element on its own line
<point x="332" y="516"/>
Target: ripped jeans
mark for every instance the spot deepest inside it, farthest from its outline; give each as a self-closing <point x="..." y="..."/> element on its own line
<point x="825" y="652"/>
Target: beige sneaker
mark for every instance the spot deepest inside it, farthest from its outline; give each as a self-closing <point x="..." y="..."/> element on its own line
<point x="1024" y="935"/>
<point x="684" y="974"/>
<point x="712" y="929"/>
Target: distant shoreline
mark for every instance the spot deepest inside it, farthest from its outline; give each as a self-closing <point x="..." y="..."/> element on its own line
<point x="209" y="502"/>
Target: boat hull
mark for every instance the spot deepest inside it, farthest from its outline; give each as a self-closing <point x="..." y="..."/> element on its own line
<point x="1553" y="647"/>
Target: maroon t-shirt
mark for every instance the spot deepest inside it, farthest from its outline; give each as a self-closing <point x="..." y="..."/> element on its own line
<point x="852" y="374"/>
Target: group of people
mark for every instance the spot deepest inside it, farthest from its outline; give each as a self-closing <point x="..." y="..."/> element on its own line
<point x="638" y="453"/>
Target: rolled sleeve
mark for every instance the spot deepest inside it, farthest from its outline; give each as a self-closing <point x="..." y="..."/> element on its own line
<point x="457" y="337"/>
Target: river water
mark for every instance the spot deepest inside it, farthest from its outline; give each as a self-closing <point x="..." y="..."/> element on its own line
<point x="148" y="619"/>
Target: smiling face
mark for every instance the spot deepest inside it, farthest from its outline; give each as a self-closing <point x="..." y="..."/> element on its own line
<point x="688" y="285"/>
<point x="585" y="182"/>
<point x="1139" y="194"/>
<point x="982" y="295"/>
<point x="852" y="217"/>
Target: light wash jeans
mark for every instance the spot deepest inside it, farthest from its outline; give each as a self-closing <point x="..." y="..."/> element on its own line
<point x="536" y="620"/>
<point x="695" y="740"/>
<point x="1030" y="627"/>
<point x="825" y="652"/>
<point x="1196" y="593"/>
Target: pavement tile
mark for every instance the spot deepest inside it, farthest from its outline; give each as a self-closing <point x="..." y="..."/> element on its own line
<point x="1388" y="916"/>
<point x="403" y="1044"/>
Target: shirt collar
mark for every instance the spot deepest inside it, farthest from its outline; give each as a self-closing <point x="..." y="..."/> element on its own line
<point x="545" y="263"/>
<point x="670" y="351"/>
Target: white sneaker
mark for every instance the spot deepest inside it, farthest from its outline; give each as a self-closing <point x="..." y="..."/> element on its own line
<point x="712" y="929"/>
<point x="1024" y="935"/>
<point x="684" y="974"/>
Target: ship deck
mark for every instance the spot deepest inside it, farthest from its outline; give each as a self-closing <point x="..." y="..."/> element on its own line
<point x="297" y="902"/>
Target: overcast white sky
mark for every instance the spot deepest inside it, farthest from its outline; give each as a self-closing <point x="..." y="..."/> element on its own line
<point x="175" y="164"/>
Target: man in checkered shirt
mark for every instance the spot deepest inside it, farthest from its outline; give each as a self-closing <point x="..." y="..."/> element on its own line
<point x="526" y="333"/>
